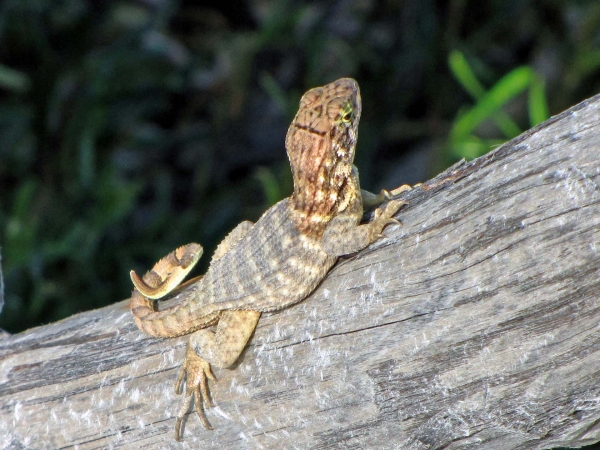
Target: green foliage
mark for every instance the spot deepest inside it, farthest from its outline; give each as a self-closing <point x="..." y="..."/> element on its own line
<point x="463" y="142"/>
<point x="13" y="80"/>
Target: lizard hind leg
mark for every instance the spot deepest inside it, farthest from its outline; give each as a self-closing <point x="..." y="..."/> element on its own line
<point x="168" y="273"/>
<point x="221" y="348"/>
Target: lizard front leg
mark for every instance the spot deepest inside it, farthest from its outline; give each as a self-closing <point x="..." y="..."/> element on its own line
<point x="205" y="348"/>
<point x="343" y="236"/>
<point x="370" y="200"/>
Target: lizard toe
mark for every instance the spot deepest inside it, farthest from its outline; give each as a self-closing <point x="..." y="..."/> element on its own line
<point x="195" y="372"/>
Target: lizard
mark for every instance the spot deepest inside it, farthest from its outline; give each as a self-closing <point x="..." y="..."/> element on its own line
<point x="277" y="261"/>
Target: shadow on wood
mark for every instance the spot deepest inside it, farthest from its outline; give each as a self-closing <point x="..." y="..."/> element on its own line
<point x="474" y="325"/>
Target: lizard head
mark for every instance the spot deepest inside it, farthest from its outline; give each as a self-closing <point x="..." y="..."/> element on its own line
<point x="320" y="143"/>
<point x="325" y="128"/>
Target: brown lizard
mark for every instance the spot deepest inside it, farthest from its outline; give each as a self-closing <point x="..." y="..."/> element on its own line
<point x="277" y="261"/>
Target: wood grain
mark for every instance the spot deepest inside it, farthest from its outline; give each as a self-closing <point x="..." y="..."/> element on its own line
<point x="474" y="325"/>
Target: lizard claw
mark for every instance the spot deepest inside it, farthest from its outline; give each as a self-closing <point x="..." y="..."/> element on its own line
<point x="390" y="221"/>
<point x="385" y="216"/>
<point x="195" y="371"/>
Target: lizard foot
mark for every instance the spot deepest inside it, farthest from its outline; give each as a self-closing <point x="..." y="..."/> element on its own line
<point x="385" y="216"/>
<point x="195" y="370"/>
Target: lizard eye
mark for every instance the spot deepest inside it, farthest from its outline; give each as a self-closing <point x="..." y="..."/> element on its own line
<point x="347" y="114"/>
<point x="342" y="113"/>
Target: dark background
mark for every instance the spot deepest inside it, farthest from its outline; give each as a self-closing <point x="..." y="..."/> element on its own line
<point x="128" y="128"/>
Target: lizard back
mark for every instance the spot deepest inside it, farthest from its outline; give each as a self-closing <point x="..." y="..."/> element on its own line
<point x="273" y="266"/>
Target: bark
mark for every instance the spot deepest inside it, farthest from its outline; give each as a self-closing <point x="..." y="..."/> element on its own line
<point x="476" y="324"/>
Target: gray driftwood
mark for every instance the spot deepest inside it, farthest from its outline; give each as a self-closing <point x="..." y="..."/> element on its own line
<point x="474" y="325"/>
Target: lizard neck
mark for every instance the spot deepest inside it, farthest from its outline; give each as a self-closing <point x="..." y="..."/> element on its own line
<point x="323" y="183"/>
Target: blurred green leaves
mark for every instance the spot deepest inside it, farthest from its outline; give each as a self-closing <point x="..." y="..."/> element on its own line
<point x="78" y="90"/>
<point x="488" y="106"/>
<point x="13" y="80"/>
<point x="21" y="229"/>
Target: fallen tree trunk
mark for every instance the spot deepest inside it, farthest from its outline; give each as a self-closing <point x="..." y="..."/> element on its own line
<point x="474" y="325"/>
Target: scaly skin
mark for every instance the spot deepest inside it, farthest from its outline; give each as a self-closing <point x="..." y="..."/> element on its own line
<point x="279" y="260"/>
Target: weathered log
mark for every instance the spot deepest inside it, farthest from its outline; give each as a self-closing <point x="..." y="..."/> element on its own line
<point x="476" y="324"/>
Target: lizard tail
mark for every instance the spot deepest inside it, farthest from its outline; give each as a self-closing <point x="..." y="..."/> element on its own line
<point x="176" y="321"/>
<point x="165" y="278"/>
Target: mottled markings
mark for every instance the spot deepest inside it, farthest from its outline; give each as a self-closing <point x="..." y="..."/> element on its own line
<point x="311" y="128"/>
